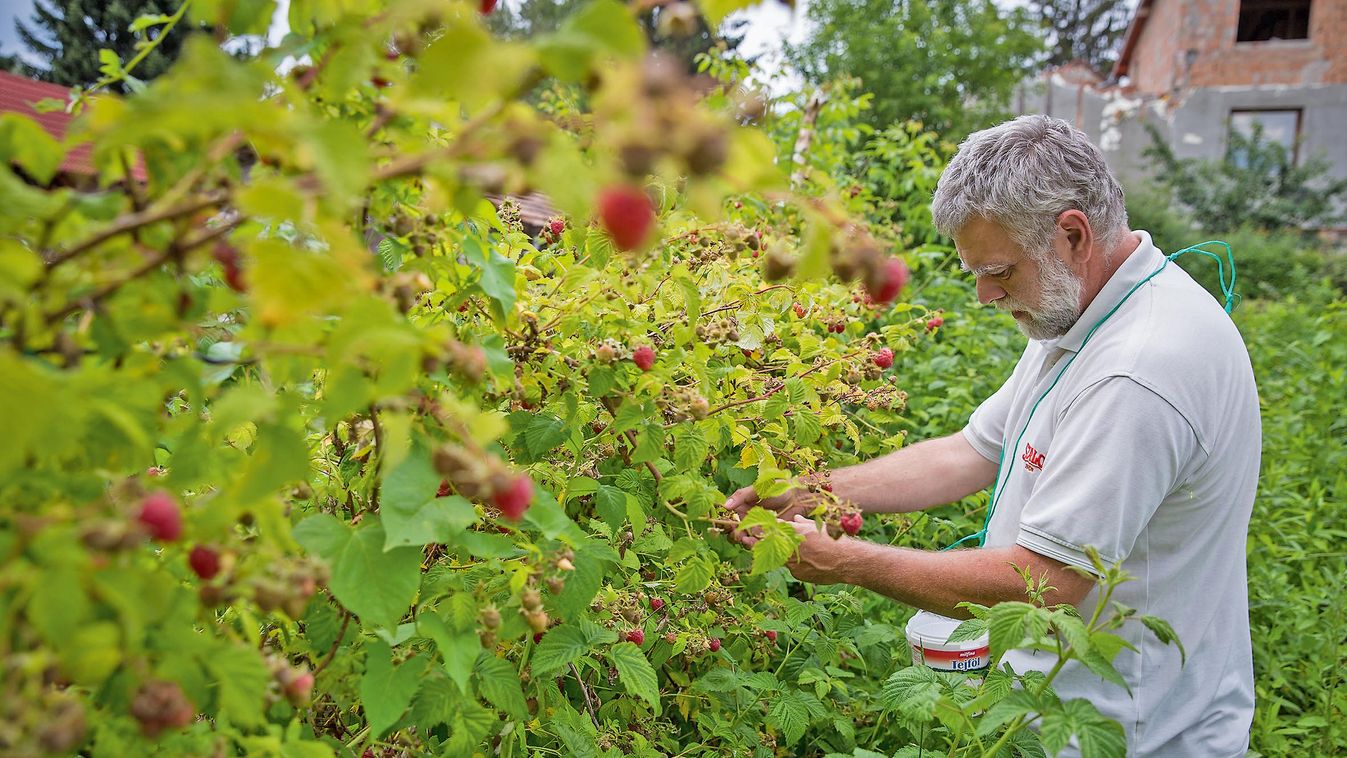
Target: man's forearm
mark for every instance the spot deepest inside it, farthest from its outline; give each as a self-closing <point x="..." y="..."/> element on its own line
<point x="938" y="582"/>
<point x="924" y="475"/>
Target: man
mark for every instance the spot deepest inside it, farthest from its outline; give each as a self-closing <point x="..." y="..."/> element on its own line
<point x="1147" y="447"/>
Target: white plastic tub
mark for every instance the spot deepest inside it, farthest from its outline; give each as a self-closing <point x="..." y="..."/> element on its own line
<point x="927" y="634"/>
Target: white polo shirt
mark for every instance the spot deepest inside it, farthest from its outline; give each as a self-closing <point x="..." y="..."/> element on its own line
<point x="1148" y="449"/>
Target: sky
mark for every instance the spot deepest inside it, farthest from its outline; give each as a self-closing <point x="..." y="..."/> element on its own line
<point x="770" y="22"/>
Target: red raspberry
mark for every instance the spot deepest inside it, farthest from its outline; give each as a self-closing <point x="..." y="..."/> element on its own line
<point x="715" y="644"/>
<point x="771" y="635"/>
<point x="851" y="523"/>
<point x="514" y="499"/>
<point x="557" y="226"/>
<point x="160" y="516"/>
<point x="882" y="357"/>
<point x="626" y="213"/>
<point x="444" y="489"/>
<point x="487" y="6"/>
<point x="636" y="636"/>
<point x="643" y="357"/>
<point x="935" y="322"/>
<point x="799" y="310"/>
<point x="205" y="562"/>
<point x="537" y="637"/>
<point x="656" y="604"/>
<point x="884" y="287"/>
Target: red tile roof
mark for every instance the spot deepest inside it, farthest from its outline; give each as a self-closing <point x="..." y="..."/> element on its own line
<point x="18" y="95"/>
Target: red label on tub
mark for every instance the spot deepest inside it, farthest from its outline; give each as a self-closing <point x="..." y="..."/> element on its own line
<point x="950" y="655"/>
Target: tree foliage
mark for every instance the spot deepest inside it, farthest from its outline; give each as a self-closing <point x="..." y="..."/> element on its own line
<point x="949" y="64"/>
<point x="1083" y="30"/>
<point x="1259" y="184"/>
<point x="65" y="36"/>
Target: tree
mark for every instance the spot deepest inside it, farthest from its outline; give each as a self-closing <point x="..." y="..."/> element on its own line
<point x="66" y="35"/>
<point x="951" y="65"/>
<point x="1082" y="30"/>
<point x="1258" y="185"/>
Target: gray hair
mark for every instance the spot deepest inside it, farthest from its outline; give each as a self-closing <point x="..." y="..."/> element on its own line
<point x="1021" y="175"/>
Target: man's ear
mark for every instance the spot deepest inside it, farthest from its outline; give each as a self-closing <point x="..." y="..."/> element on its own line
<point x="1077" y="235"/>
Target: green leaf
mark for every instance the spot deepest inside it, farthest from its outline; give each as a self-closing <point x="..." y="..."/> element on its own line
<point x="694" y="576"/>
<point x="576" y="733"/>
<point x="433" y="703"/>
<point x="498" y="681"/>
<point x="357" y="556"/>
<point x="789" y="714"/>
<point x="1010" y="624"/>
<point x="912" y="692"/>
<point x="466" y="65"/>
<point x="1098" y="737"/>
<point x="543" y="433"/>
<point x="635" y="673"/>
<point x="26" y="143"/>
<point x="604" y="26"/>
<point x="279" y="457"/>
<point x="582" y="584"/>
<point x="547" y="515"/>
<point x="1165" y="633"/>
<point x="412" y="514"/>
<point x="242" y="678"/>
<point x="387" y="689"/>
<point x="777" y="544"/>
<point x="468" y="723"/>
<point x="565" y="645"/>
<point x="458" y="646"/>
<point x="807" y="426"/>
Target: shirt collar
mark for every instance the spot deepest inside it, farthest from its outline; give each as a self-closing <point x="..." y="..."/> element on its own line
<point x="1138" y="266"/>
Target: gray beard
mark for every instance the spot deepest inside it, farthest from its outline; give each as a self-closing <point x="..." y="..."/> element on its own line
<point x="1059" y="306"/>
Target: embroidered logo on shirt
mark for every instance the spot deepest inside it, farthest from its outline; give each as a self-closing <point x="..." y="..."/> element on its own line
<point x="1033" y="460"/>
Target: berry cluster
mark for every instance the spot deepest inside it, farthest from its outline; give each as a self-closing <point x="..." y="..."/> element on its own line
<point x="719" y="331"/>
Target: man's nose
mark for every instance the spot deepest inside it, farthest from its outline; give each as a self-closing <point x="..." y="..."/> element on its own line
<point x="989" y="291"/>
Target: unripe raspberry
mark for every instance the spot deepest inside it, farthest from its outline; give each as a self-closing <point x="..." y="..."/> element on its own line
<point x="490" y="618"/>
<point x="159" y="705"/>
<point x="160" y="516"/>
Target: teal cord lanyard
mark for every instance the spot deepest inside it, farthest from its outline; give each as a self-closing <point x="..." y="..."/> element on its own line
<point x="1231" y="299"/>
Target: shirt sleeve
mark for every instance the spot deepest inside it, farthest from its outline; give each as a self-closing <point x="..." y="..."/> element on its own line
<point x="985" y="430"/>
<point x="1117" y="451"/>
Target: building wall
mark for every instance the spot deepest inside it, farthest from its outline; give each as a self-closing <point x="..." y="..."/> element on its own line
<point x="1195" y="126"/>
<point x="1191" y="43"/>
<point x="1158" y="57"/>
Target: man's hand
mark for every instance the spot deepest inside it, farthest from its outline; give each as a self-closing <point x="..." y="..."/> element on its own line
<point x="819" y="557"/>
<point x="786" y="506"/>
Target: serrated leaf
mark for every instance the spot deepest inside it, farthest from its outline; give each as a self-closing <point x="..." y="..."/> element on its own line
<point x="1097" y="736"/>
<point x="543" y="433"/>
<point x="774" y="548"/>
<point x="912" y="692"/>
<point x="1010" y="624"/>
<point x="636" y="673"/>
<point x="498" y="681"/>
<point x="386" y="690"/>
<point x="357" y="555"/>
<point x="790" y="715"/>
<point x="582" y="585"/>
<point x="807" y="426"/>
<point x="690" y="449"/>
<point x="561" y="647"/>
<point x="433" y="702"/>
<point x="693" y="576"/>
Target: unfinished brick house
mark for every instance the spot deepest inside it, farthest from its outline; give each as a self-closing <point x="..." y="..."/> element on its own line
<point x="1200" y="69"/>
